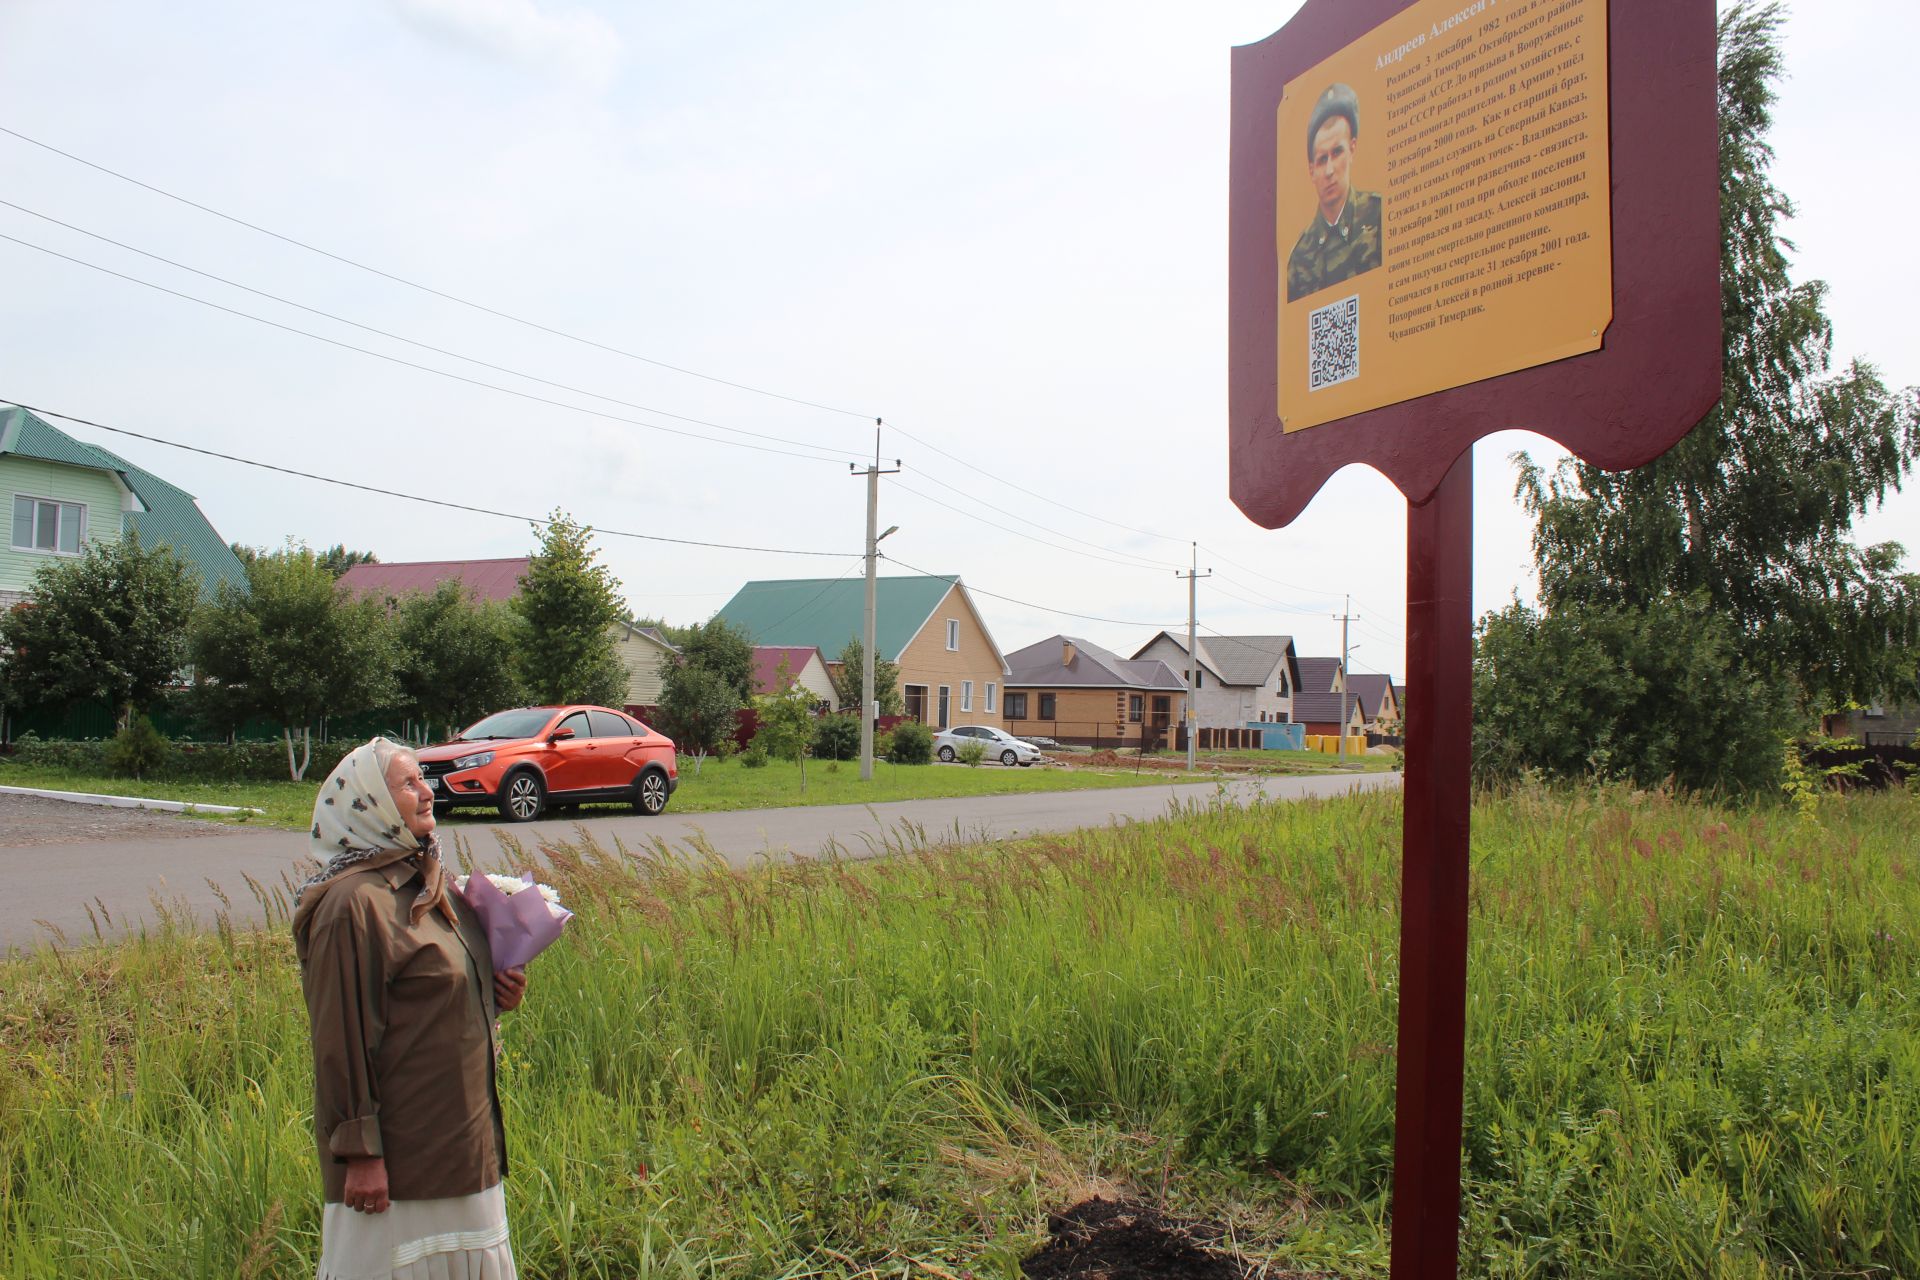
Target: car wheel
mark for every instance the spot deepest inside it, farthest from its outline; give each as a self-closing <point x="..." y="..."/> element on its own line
<point x="650" y="793"/>
<point x="523" y="798"/>
<point x="1009" y="757"/>
<point x="946" y="755"/>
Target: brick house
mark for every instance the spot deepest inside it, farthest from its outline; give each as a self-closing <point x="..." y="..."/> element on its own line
<point x="1076" y="692"/>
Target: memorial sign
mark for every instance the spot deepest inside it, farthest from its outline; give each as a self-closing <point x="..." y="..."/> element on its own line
<point x="1442" y="211"/>
<point x="1449" y="218"/>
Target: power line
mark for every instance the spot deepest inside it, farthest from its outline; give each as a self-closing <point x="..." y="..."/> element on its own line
<point x="397" y="337"/>
<point x="1028" y="604"/>
<point x="999" y="479"/>
<point x="1143" y="561"/>
<point x="409" y="497"/>
<point x="429" y="289"/>
<point x="424" y="368"/>
<point x="532" y="324"/>
<point x="927" y="497"/>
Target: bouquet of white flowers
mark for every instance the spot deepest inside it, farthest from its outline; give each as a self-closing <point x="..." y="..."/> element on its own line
<point x="520" y="922"/>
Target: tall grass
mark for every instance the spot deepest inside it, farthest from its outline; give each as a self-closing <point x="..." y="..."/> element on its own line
<point x="1693" y="1049"/>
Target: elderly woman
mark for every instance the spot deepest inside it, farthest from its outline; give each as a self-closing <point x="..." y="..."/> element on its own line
<point x="403" y="999"/>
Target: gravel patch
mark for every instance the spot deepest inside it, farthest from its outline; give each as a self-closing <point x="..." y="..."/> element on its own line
<point x="29" y="821"/>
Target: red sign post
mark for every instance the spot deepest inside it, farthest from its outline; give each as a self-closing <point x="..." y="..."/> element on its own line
<point x="1450" y="218"/>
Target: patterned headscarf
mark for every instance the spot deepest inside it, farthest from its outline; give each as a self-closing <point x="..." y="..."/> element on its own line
<point x="357" y="827"/>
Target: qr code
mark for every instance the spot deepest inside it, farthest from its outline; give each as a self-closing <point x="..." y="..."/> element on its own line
<point x="1333" y="343"/>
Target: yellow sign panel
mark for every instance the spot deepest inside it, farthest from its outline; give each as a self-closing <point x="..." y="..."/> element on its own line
<point x="1442" y="204"/>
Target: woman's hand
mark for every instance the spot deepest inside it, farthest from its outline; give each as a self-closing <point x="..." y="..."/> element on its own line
<point x="509" y="988"/>
<point x="366" y="1185"/>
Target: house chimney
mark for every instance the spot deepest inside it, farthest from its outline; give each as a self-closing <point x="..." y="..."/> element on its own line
<point x="1066" y="652"/>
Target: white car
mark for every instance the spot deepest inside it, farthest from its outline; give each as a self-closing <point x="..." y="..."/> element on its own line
<point x="1000" y="745"/>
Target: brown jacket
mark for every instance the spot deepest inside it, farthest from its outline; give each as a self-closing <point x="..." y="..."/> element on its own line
<point x="402" y="1026"/>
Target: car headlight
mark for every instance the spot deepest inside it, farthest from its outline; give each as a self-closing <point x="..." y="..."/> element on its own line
<point x="473" y="761"/>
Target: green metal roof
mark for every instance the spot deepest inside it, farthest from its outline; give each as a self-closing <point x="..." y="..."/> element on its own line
<point x="825" y="613"/>
<point x="171" y="519"/>
<point x="30" y="437"/>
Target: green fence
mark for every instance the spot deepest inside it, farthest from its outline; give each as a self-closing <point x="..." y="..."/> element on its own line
<point x="94" y="721"/>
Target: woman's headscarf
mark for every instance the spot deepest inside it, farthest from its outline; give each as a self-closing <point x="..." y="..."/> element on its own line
<point x="358" y="827"/>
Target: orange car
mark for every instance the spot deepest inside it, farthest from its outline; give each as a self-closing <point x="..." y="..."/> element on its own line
<point x="531" y="759"/>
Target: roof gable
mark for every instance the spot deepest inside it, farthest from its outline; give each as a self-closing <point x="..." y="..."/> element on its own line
<point x="1248" y="660"/>
<point x="1372" y="691"/>
<point x="1317" y="674"/>
<point x="825" y="613"/>
<point x="1207" y="665"/>
<point x="768" y="657"/>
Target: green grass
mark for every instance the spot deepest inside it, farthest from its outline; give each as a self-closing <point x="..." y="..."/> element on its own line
<point x="1693" y="1049"/>
<point x="719" y="786"/>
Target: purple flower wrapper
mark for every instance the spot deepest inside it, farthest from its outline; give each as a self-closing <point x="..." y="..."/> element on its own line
<point x="519" y="926"/>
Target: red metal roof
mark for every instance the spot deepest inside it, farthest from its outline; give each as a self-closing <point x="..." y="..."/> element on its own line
<point x="766" y="663"/>
<point x="490" y="580"/>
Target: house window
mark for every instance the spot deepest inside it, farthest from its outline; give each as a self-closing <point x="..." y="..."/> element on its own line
<point x="966" y="695"/>
<point x="41" y="524"/>
<point x="953" y="635"/>
<point x="1199" y="677"/>
<point x="1046" y="706"/>
<point x="989" y="695"/>
<point x="1016" y="705"/>
<point x="1135" y="706"/>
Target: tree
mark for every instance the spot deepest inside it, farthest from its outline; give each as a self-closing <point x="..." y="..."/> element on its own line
<point x="294" y="648"/>
<point x="724" y="649"/>
<point x="336" y="559"/>
<point x="569" y="601"/>
<point x="110" y="624"/>
<point x="456" y="656"/>
<point x="1637" y="694"/>
<point x="698" y="709"/>
<point x="886" y="681"/>
<point x="786" y="717"/>
<point x="1752" y="510"/>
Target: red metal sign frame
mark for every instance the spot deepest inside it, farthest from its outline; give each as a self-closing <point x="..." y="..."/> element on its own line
<point x="1620" y="407"/>
<point x="1656" y="375"/>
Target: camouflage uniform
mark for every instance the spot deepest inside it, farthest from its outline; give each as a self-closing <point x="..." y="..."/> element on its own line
<point x="1328" y="253"/>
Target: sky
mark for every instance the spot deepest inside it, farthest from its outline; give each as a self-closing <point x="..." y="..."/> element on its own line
<point x="1001" y="230"/>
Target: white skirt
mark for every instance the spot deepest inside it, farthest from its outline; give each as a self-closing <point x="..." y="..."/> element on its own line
<point x="461" y="1238"/>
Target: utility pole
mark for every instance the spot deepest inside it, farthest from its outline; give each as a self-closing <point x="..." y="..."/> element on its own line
<point x="1344" y="618"/>
<point x="1193" y="576"/>
<point x="867" y="708"/>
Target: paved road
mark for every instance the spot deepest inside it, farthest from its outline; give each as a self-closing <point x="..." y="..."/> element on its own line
<point x="132" y="882"/>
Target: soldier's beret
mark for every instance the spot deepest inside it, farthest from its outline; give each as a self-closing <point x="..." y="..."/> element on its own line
<point x="1338" y="100"/>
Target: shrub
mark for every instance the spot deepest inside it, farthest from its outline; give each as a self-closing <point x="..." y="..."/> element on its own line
<point x="883" y="745"/>
<point x="139" y="750"/>
<point x="754" y="757"/>
<point x="912" y="744"/>
<point x="186" y="762"/>
<point x="837" y="738"/>
<point x="972" y="753"/>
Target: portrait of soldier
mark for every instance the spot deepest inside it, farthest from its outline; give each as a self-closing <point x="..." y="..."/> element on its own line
<point x="1343" y="239"/>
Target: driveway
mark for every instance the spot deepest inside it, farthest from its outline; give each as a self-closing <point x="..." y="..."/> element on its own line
<point x="130" y="875"/>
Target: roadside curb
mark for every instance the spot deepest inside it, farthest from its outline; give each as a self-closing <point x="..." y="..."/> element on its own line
<point x="125" y="802"/>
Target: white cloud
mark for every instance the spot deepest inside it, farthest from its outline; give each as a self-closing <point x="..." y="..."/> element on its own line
<point x="572" y="43"/>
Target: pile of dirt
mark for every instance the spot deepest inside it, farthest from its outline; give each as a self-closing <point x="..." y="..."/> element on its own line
<point x="1102" y="1239"/>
